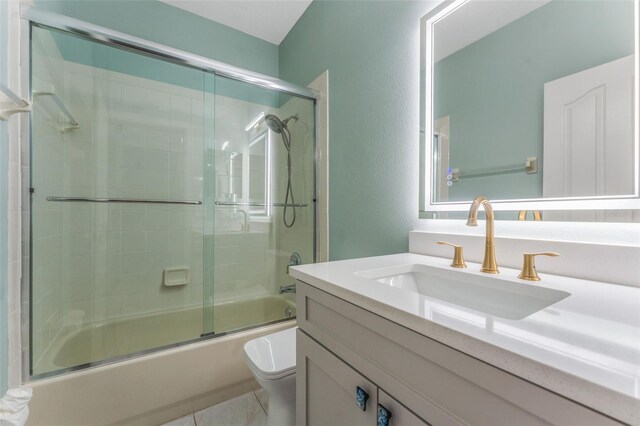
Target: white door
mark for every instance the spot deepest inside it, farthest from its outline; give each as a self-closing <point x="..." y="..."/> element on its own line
<point x="588" y="136"/>
<point x="441" y="159"/>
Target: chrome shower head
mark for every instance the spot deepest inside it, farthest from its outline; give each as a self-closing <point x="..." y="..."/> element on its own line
<point x="277" y="125"/>
<point x="274" y="123"/>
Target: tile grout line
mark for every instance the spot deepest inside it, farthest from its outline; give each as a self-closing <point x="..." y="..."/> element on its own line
<point x="193" y="416"/>
<point x="259" y="403"/>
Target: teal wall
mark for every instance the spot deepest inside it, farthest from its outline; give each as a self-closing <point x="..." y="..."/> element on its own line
<point x="372" y="52"/>
<point x="4" y="171"/>
<point x="507" y="69"/>
<point x="164" y="24"/>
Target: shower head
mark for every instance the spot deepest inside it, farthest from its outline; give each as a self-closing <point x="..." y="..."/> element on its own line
<point x="277" y="125"/>
<point x="274" y="123"/>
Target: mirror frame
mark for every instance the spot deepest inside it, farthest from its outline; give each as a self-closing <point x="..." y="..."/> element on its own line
<point x="427" y="205"/>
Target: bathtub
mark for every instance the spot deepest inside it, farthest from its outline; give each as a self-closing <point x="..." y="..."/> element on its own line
<point x="163" y="385"/>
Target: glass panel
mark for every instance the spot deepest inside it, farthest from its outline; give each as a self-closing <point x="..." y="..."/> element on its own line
<point x="113" y="278"/>
<point x="208" y="202"/>
<point x="255" y="177"/>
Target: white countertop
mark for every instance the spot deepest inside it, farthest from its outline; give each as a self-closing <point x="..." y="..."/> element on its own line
<point x="585" y="347"/>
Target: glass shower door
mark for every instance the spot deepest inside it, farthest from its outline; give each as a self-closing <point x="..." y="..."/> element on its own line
<point x="118" y="176"/>
<point x="258" y="226"/>
<point x="166" y="203"/>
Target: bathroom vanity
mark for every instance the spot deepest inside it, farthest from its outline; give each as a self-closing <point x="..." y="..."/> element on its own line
<point x="378" y="339"/>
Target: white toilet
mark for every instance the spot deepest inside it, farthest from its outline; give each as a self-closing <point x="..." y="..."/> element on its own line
<point x="272" y="360"/>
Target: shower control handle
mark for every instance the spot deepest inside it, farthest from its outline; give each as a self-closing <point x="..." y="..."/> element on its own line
<point x="294" y="260"/>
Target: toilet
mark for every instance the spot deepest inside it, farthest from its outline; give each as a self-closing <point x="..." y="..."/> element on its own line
<point x="272" y="360"/>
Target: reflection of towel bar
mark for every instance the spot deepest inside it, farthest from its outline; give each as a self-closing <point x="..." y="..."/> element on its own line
<point x="530" y="167"/>
<point x="225" y="203"/>
<point x="15" y="104"/>
<point x="74" y="123"/>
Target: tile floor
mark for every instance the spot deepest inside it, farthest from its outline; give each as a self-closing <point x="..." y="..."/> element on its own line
<point x="249" y="409"/>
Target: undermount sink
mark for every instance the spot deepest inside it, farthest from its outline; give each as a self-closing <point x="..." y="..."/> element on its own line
<point x="492" y="295"/>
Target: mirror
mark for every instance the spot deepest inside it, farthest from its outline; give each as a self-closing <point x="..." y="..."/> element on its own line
<point x="533" y="104"/>
<point x="258" y="174"/>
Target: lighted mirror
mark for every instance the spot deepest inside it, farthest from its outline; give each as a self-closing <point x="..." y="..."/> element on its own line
<point x="258" y="174"/>
<point x="532" y="104"/>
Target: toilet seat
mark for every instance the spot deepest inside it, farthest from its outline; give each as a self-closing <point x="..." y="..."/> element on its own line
<point x="273" y="356"/>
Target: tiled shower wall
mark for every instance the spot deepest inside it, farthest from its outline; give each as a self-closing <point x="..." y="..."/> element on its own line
<point x="300" y="237"/>
<point x="143" y="139"/>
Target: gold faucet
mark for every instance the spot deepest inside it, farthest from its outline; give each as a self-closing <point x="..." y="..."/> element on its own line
<point x="489" y="265"/>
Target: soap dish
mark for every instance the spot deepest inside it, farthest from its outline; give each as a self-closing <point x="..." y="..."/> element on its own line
<point x="176" y="277"/>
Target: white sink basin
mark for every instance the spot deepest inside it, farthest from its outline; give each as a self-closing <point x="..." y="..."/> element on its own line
<point x="504" y="298"/>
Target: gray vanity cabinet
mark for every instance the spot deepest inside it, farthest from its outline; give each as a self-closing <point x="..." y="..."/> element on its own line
<point x="400" y="415"/>
<point x="332" y="393"/>
<point x="341" y="346"/>
<point x="330" y="388"/>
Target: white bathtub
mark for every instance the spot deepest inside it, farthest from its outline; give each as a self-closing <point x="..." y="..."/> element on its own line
<point x="154" y="388"/>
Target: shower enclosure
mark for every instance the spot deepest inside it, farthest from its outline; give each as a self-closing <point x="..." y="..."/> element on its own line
<point x="157" y="196"/>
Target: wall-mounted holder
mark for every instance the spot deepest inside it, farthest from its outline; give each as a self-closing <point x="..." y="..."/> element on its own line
<point x="72" y="122"/>
<point x="10" y="103"/>
<point x="175" y="277"/>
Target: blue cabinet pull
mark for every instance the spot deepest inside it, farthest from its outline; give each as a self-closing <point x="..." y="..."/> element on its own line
<point x="384" y="416"/>
<point x="361" y="398"/>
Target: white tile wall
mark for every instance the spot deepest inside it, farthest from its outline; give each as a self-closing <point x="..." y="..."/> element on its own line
<point x="14" y="202"/>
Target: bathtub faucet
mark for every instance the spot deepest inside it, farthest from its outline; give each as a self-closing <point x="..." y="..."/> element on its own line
<point x="291" y="288"/>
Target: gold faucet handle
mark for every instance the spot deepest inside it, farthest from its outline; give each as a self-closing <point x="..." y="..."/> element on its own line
<point x="458" y="258"/>
<point x="529" y="272"/>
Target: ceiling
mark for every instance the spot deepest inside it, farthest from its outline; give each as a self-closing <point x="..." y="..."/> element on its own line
<point x="476" y="19"/>
<point x="270" y="20"/>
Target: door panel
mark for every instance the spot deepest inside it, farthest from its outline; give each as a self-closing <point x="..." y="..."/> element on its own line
<point x="326" y="388"/>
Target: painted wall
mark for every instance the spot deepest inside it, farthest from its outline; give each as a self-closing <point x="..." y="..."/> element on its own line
<point x="161" y="23"/>
<point x="372" y="53"/>
<point x="510" y="66"/>
<point x="4" y="171"/>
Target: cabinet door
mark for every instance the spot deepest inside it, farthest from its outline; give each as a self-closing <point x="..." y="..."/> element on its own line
<point x="326" y="389"/>
<point x="400" y="415"/>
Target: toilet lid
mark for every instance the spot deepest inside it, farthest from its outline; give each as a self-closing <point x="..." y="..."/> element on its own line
<point x="273" y="356"/>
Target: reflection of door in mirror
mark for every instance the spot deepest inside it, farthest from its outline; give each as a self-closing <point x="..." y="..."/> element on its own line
<point x="440" y="168"/>
<point x="588" y="135"/>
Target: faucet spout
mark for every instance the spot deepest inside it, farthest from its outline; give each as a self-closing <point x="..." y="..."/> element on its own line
<point x="489" y="264"/>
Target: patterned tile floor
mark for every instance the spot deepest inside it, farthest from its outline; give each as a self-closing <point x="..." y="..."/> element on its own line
<point x="249" y="409"/>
